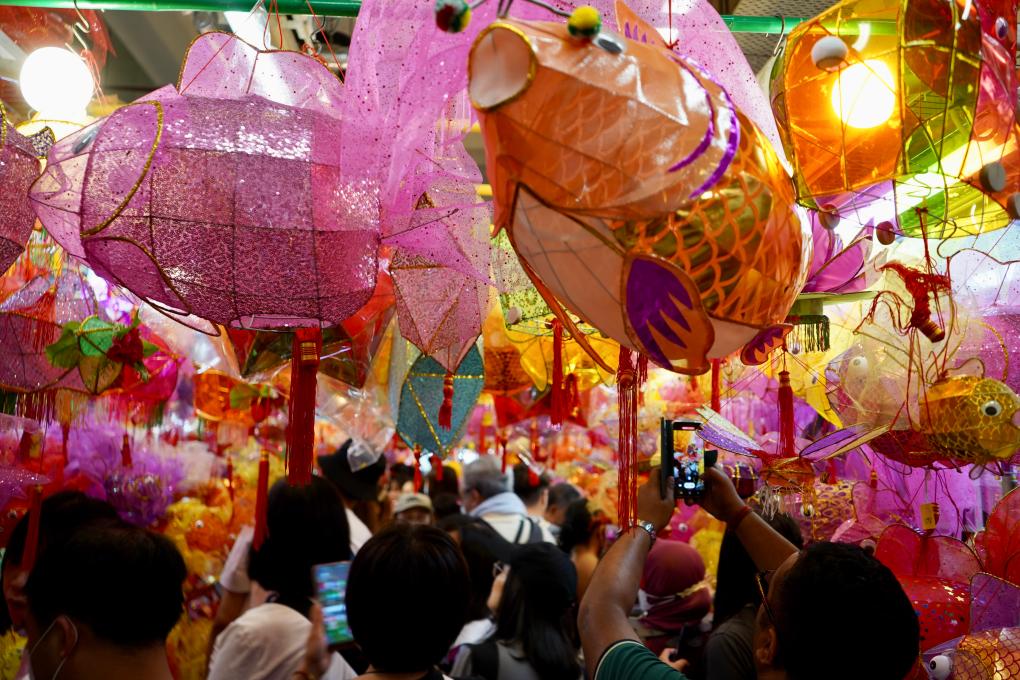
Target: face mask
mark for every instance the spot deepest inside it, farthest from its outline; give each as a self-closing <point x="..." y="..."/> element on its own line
<point x="60" y="666"/>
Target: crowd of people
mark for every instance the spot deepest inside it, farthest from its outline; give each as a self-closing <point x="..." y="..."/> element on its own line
<point x="493" y="576"/>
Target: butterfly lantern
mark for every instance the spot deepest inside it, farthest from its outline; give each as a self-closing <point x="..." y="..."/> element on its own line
<point x="905" y="109"/>
<point x="635" y="193"/>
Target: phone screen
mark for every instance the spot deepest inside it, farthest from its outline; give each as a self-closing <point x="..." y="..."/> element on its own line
<point x="331" y="590"/>
<point x="684" y="455"/>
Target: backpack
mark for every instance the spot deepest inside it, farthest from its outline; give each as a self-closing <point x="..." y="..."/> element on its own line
<point x="535" y="535"/>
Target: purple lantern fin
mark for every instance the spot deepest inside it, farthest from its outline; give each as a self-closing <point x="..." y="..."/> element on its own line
<point x="994" y="603"/>
<point x="666" y="319"/>
<point x="842" y="441"/>
<point x="767" y="340"/>
<point x="719" y="431"/>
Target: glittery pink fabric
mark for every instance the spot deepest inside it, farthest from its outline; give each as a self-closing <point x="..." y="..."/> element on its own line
<point x="225" y="197"/>
<point x="18" y="169"/>
<point x="30" y="319"/>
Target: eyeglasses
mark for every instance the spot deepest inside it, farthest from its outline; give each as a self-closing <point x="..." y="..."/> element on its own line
<point x="763" y="590"/>
<point x="498" y="568"/>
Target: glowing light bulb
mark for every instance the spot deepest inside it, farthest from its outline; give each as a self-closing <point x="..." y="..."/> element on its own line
<point x="56" y="83"/>
<point x="865" y="94"/>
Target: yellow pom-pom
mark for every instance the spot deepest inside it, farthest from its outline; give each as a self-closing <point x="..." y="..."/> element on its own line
<point x="584" y="22"/>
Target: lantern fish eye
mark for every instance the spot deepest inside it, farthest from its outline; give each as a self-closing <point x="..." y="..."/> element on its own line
<point x="940" y="667"/>
<point x="991" y="408"/>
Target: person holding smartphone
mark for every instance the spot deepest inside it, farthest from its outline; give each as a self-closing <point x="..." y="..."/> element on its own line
<point x="817" y="603"/>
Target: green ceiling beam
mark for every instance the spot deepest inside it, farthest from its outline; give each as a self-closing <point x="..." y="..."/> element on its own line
<point x="335" y="8"/>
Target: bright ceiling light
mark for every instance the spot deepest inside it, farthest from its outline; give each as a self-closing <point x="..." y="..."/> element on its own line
<point x="865" y="94"/>
<point x="56" y="83"/>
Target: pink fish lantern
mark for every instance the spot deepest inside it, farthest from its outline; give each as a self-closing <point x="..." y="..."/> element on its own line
<point x="19" y="166"/>
<point x="222" y="197"/>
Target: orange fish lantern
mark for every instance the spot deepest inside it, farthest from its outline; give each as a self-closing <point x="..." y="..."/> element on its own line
<point x="634" y="193"/>
<point x="909" y="105"/>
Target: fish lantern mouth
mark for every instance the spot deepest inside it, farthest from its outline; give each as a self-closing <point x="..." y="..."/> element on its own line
<point x="501" y="66"/>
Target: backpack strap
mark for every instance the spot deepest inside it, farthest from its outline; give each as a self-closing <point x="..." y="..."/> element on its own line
<point x="520" y="529"/>
<point x="536" y="532"/>
<point x="485" y="660"/>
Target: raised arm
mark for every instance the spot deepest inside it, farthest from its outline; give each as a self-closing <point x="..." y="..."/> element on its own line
<point x="765" y="545"/>
<point x="603" y="619"/>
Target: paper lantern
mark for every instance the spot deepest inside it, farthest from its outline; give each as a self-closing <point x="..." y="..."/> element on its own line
<point x="918" y="118"/>
<point x="19" y="166"/>
<point x="422" y="397"/>
<point x="222" y="197"/>
<point x="684" y="254"/>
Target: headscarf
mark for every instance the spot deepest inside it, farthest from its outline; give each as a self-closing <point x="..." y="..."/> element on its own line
<point x="674" y="591"/>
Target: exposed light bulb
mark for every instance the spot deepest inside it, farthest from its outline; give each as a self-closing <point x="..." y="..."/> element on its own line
<point x="56" y="83"/>
<point x="865" y="94"/>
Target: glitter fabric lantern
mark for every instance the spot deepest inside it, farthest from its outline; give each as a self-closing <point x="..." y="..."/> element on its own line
<point x="684" y="255"/>
<point x="222" y="197"/>
<point x="19" y="166"/>
<point x="916" y="115"/>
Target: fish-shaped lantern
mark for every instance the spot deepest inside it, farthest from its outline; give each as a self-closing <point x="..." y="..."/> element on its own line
<point x="909" y="105"/>
<point x="635" y="194"/>
<point x="963" y="420"/>
<point x="222" y="196"/>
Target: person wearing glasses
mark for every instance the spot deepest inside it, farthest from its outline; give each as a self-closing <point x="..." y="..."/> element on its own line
<point x="820" y="607"/>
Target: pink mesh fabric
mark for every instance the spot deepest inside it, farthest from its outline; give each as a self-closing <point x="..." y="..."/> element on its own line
<point x="18" y="169"/>
<point x="217" y="201"/>
<point x="30" y="319"/>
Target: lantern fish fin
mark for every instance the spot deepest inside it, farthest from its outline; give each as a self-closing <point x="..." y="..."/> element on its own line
<point x="758" y="348"/>
<point x="665" y="317"/>
<point x="841" y="441"/>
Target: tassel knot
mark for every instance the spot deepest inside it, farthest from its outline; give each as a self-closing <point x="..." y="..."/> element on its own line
<point x="446" y="408"/>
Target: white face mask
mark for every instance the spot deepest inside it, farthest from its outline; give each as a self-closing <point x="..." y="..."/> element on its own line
<point x="60" y="666"/>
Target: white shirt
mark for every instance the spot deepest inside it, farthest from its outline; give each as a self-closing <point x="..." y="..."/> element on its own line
<point x="358" y="531"/>
<point x="516" y="528"/>
<point x="474" y="632"/>
<point x="267" y="643"/>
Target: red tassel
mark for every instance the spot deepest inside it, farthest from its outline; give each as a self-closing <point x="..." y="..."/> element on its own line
<point x="261" y="503"/>
<point x="125" y="451"/>
<point x="32" y="538"/>
<point x="501" y="441"/>
<point x="417" y="468"/>
<point x="482" y="444"/>
<point x="532" y="477"/>
<point x="437" y="465"/>
<point x="642" y="377"/>
<point x="786" y="425"/>
<point x="304" y="364"/>
<point x="627" y="394"/>
<point x="716" y="385"/>
<point x="557" y="398"/>
<point x="831" y="476"/>
<point x="920" y="284"/>
<point x="65" y="431"/>
<point x="446" y="409"/>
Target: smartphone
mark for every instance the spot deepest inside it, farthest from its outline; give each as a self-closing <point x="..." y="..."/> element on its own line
<point x="331" y="591"/>
<point x="685" y="458"/>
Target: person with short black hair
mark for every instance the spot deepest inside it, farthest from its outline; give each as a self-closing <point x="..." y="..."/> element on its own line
<point x="445" y="492"/>
<point x="61" y="515"/>
<point x="407" y="599"/>
<point x="102" y="603"/>
<point x="561" y="495"/>
<point x="482" y="548"/>
<point x="307" y="525"/>
<point x="533" y="598"/>
<point x="487" y="495"/>
<point x="729" y="651"/>
<point x="818" y="602"/>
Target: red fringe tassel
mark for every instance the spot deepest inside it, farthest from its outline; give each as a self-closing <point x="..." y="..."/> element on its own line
<point x="437" y="465"/>
<point x="304" y="365"/>
<point x="446" y="408"/>
<point x="716" y="385"/>
<point x="787" y="448"/>
<point x="627" y="391"/>
<point x="261" y="503"/>
<point x="125" y="451"/>
<point x="417" y="468"/>
<point x="558" y="398"/>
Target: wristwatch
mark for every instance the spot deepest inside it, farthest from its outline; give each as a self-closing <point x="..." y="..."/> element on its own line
<point x="647" y="526"/>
